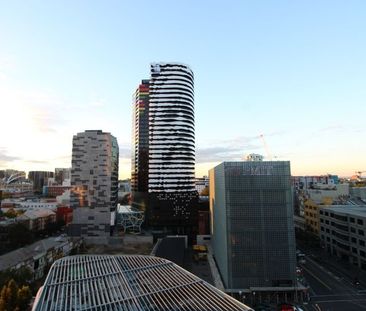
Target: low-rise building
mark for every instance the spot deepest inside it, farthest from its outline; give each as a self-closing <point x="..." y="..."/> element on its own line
<point x="64" y="214"/>
<point x="21" y="203"/>
<point x="358" y="192"/>
<point x="54" y="191"/>
<point x="37" y="220"/>
<point x="38" y="256"/>
<point x="201" y="183"/>
<point x="343" y="232"/>
<point x="5" y="224"/>
<point x="313" y="199"/>
<point x="312" y="182"/>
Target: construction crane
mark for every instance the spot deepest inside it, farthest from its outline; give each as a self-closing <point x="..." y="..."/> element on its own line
<point x="269" y="155"/>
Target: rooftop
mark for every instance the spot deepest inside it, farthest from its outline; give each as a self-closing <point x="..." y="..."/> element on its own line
<point x="36" y="213"/>
<point x="92" y="282"/>
<point x="356" y="210"/>
<point x="20" y="255"/>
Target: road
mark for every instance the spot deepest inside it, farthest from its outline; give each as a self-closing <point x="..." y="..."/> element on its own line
<point x="331" y="289"/>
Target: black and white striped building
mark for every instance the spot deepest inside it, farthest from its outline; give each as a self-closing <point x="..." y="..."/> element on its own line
<point x="164" y="147"/>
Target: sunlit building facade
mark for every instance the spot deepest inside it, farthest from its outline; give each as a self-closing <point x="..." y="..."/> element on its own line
<point x="94" y="182"/>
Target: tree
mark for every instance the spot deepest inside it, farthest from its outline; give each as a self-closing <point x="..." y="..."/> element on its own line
<point x="13" y="297"/>
<point x="8" y="296"/>
<point x="3" y="298"/>
<point x="19" y="235"/>
<point x="22" y="276"/>
<point x="24" y="295"/>
<point x="11" y="213"/>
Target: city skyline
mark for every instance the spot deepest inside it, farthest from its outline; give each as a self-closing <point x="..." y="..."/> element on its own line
<point x="292" y="72"/>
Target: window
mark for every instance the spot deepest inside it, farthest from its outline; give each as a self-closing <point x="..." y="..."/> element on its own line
<point x="362" y="253"/>
<point x="352" y="219"/>
<point x="354" y="240"/>
<point x="353" y="230"/>
<point x="354" y="250"/>
<point x="361" y="232"/>
<point x="361" y="242"/>
<point x="360" y="222"/>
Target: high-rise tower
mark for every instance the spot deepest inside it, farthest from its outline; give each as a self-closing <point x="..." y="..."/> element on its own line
<point x="164" y="148"/>
<point x="94" y="181"/>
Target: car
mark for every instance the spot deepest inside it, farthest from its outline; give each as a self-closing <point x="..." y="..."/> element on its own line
<point x="285" y="307"/>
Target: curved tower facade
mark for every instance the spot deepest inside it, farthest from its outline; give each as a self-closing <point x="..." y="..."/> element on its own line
<point x="163" y="159"/>
<point x="171" y="129"/>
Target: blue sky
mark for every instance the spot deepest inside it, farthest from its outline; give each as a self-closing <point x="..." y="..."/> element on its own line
<point x="291" y="70"/>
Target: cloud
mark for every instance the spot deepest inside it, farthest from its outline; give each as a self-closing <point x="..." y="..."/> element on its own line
<point x="6" y="158"/>
<point x="124" y="152"/>
<point x="37" y="161"/>
<point x="331" y="128"/>
<point x="97" y="104"/>
<point x="64" y="157"/>
<point x="227" y="150"/>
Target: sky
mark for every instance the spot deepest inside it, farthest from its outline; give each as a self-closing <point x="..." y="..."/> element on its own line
<point x="292" y="71"/>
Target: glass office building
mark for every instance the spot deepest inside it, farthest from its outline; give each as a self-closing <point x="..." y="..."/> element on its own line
<point x="252" y="224"/>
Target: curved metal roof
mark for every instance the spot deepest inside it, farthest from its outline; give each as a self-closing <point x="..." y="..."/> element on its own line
<point x="103" y="282"/>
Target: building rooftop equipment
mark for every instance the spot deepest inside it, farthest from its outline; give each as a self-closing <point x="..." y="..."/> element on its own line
<point x="127" y="282"/>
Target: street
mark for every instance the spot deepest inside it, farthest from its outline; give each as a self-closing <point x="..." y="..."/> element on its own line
<point x="331" y="289"/>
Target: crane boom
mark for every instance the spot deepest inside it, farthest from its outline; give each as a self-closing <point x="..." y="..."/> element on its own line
<point x="269" y="155"/>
